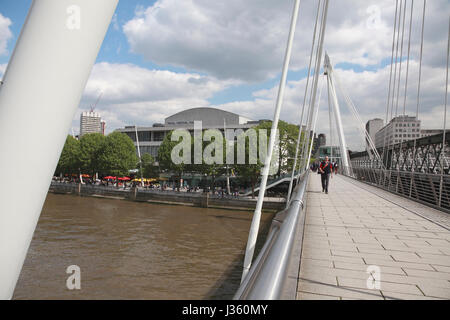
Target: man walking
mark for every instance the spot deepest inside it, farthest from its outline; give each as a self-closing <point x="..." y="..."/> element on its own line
<point x="325" y="169"/>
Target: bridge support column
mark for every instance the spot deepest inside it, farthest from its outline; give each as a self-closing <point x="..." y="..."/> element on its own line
<point x="337" y="114"/>
<point x="40" y="94"/>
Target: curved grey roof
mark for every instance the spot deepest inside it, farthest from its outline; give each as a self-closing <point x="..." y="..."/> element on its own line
<point x="208" y="117"/>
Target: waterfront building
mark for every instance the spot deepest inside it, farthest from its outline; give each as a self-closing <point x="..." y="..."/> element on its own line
<point x="151" y="138"/>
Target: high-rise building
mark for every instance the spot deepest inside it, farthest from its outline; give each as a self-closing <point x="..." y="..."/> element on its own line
<point x="372" y="127"/>
<point x="90" y="122"/>
<point x="399" y="129"/>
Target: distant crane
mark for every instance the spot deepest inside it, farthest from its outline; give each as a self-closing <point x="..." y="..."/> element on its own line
<point x="96" y="102"/>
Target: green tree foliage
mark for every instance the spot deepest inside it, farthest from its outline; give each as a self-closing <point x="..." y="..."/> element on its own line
<point x="149" y="170"/>
<point x="165" y="156"/>
<point x="117" y="155"/>
<point x="69" y="159"/>
<point x="250" y="172"/>
<point x="288" y="134"/>
<point x="214" y="157"/>
<point x="90" y="147"/>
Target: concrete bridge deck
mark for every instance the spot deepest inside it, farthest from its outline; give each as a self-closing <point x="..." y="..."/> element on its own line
<point x="356" y="226"/>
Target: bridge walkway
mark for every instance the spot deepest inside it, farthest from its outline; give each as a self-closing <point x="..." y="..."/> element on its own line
<point x="356" y="226"/>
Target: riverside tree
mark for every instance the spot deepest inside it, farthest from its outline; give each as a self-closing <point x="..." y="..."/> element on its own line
<point x="149" y="169"/>
<point x="117" y="155"/>
<point x="69" y="160"/>
<point x="165" y="158"/>
<point x="90" y="148"/>
<point x="282" y="157"/>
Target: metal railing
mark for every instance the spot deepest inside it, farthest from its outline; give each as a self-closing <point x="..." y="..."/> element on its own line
<point x="428" y="188"/>
<point x="269" y="275"/>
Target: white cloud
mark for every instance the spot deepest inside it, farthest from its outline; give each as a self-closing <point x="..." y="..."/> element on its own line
<point x="5" y="34"/>
<point x="135" y="95"/>
<point x="222" y="44"/>
<point x="246" y="39"/>
<point x="368" y="90"/>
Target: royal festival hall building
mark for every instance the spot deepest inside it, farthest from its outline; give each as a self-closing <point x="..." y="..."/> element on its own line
<point x="151" y="138"/>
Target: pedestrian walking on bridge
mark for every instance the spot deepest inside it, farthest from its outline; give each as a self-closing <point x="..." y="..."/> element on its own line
<point x="326" y="170"/>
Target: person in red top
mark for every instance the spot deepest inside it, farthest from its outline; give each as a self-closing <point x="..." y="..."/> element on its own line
<point x="326" y="170"/>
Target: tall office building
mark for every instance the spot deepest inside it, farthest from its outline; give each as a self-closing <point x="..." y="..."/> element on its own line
<point x="372" y="127"/>
<point x="399" y="129"/>
<point x="90" y="122"/>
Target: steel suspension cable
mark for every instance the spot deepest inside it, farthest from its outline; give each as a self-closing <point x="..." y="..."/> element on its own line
<point x="390" y="82"/>
<point x="399" y="80"/>
<point x="413" y="165"/>
<point x="317" y="73"/>
<point x="401" y="60"/>
<point x="396" y="59"/>
<point x="313" y="87"/>
<point x="407" y="74"/>
<point x="294" y="167"/>
<point x="445" y="118"/>
<point x="254" y="228"/>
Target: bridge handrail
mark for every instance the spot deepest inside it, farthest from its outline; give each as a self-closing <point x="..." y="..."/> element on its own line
<point x="267" y="277"/>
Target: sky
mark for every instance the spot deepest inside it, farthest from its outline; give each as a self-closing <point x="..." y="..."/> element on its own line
<point x="162" y="57"/>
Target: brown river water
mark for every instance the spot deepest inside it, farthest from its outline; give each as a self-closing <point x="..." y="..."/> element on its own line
<point x="132" y="250"/>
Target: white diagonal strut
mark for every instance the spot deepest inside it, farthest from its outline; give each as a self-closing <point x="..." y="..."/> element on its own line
<point x="41" y="90"/>
<point x="254" y="228"/>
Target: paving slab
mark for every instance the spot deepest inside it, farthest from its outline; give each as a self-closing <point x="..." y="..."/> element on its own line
<point x="361" y="242"/>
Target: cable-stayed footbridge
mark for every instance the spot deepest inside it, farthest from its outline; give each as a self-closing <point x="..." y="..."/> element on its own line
<point x="383" y="232"/>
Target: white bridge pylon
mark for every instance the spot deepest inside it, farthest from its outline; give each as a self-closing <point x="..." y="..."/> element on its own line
<point x="336" y="110"/>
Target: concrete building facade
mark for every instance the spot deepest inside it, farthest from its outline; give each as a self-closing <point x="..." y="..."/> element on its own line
<point x="399" y="129"/>
<point x="372" y="127"/>
<point x="151" y="138"/>
<point x="90" y="122"/>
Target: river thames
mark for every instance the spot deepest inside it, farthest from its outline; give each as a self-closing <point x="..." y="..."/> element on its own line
<point x="132" y="250"/>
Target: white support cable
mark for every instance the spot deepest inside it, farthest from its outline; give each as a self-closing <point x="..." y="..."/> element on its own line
<point x="407" y="75"/>
<point x="445" y="116"/>
<point x="392" y="62"/>
<point x="315" y="119"/>
<point x="355" y="113"/>
<point x="254" y="228"/>
<point x="399" y="74"/>
<point x="401" y="59"/>
<point x="313" y="90"/>
<point x="390" y="82"/>
<point x="396" y="60"/>
<point x="330" y="123"/>
<point x="316" y="79"/>
<point x="294" y="167"/>
<point x="418" y="85"/>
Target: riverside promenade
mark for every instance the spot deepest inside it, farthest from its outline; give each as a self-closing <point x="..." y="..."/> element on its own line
<point x="356" y="226"/>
